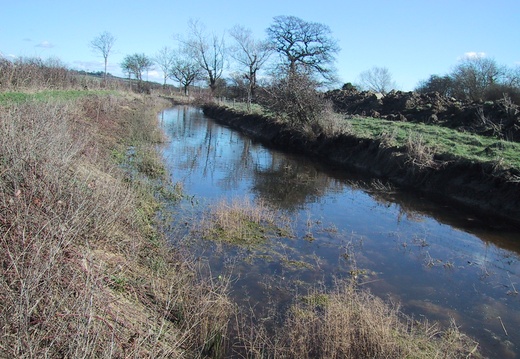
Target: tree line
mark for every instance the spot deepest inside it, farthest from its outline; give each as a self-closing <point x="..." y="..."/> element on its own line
<point x="301" y="46"/>
<point x="295" y="47"/>
<point x="476" y="78"/>
<point x="296" y="59"/>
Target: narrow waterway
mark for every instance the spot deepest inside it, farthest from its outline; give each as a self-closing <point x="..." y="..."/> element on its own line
<point x="438" y="261"/>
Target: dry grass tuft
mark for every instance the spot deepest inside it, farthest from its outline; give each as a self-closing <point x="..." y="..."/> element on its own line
<point x="241" y="221"/>
<point x="352" y="323"/>
<point x="419" y="153"/>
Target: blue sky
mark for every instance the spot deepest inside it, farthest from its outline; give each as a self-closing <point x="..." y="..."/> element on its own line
<point x="413" y="39"/>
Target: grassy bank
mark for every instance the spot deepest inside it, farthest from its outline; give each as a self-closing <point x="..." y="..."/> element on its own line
<point x="84" y="273"/>
<point x="439" y="142"/>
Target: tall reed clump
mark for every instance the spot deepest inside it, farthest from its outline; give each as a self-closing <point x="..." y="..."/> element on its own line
<point x="83" y="273"/>
<point x="353" y="323"/>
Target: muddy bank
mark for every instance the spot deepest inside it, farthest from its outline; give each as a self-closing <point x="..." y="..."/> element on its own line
<point x="482" y="187"/>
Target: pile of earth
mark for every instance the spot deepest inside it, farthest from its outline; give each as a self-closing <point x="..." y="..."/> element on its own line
<point x="492" y="118"/>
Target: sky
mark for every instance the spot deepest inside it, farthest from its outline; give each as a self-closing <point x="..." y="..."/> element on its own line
<point x="413" y="39"/>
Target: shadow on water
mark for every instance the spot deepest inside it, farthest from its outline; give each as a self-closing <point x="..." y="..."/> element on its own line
<point x="439" y="261"/>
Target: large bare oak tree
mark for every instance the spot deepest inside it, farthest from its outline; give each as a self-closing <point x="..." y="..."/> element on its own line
<point x="303" y="46"/>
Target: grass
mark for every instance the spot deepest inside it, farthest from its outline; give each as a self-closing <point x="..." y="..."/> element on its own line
<point x="351" y="323"/>
<point x="7" y="98"/>
<point x="446" y="142"/>
<point x="243" y="107"/>
<point x="242" y="222"/>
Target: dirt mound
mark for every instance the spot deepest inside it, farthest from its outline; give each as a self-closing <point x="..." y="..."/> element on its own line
<point x="499" y="118"/>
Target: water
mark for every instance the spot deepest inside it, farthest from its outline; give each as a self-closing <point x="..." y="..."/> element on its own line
<point x="438" y="261"/>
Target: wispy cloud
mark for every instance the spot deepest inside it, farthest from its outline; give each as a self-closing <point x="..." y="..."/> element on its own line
<point x="45" y="44"/>
<point x="154" y="75"/>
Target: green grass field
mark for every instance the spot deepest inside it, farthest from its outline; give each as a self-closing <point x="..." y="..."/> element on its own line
<point x="444" y="141"/>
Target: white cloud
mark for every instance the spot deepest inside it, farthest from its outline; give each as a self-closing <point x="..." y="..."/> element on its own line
<point x="88" y="65"/>
<point x="7" y="56"/>
<point x="45" y="44"/>
<point x="154" y="74"/>
<point x="473" y="55"/>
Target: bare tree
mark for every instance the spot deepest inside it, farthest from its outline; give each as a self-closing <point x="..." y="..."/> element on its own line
<point x="435" y="83"/>
<point x="103" y="44"/>
<point x="185" y="69"/>
<point x="303" y="46"/>
<point x="476" y="78"/>
<point x="207" y="49"/>
<point x="512" y="77"/>
<point x="474" y="75"/>
<point x="377" y="79"/>
<point x="136" y="64"/>
<point x="250" y="54"/>
<point x="165" y="58"/>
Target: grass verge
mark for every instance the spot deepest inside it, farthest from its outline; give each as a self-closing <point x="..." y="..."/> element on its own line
<point x="7" y="98"/>
<point x="443" y="142"/>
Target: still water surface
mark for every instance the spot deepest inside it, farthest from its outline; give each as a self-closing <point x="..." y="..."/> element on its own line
<point x="438" y="261"/>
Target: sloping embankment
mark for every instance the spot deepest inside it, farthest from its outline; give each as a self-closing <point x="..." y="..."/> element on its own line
<point x="481" y="186"/>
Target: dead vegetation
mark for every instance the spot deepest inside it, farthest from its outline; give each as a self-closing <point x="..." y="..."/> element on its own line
<point x="352" y="323"/>
<point x="419" y="153"/>
<point x="83" y="272"/>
